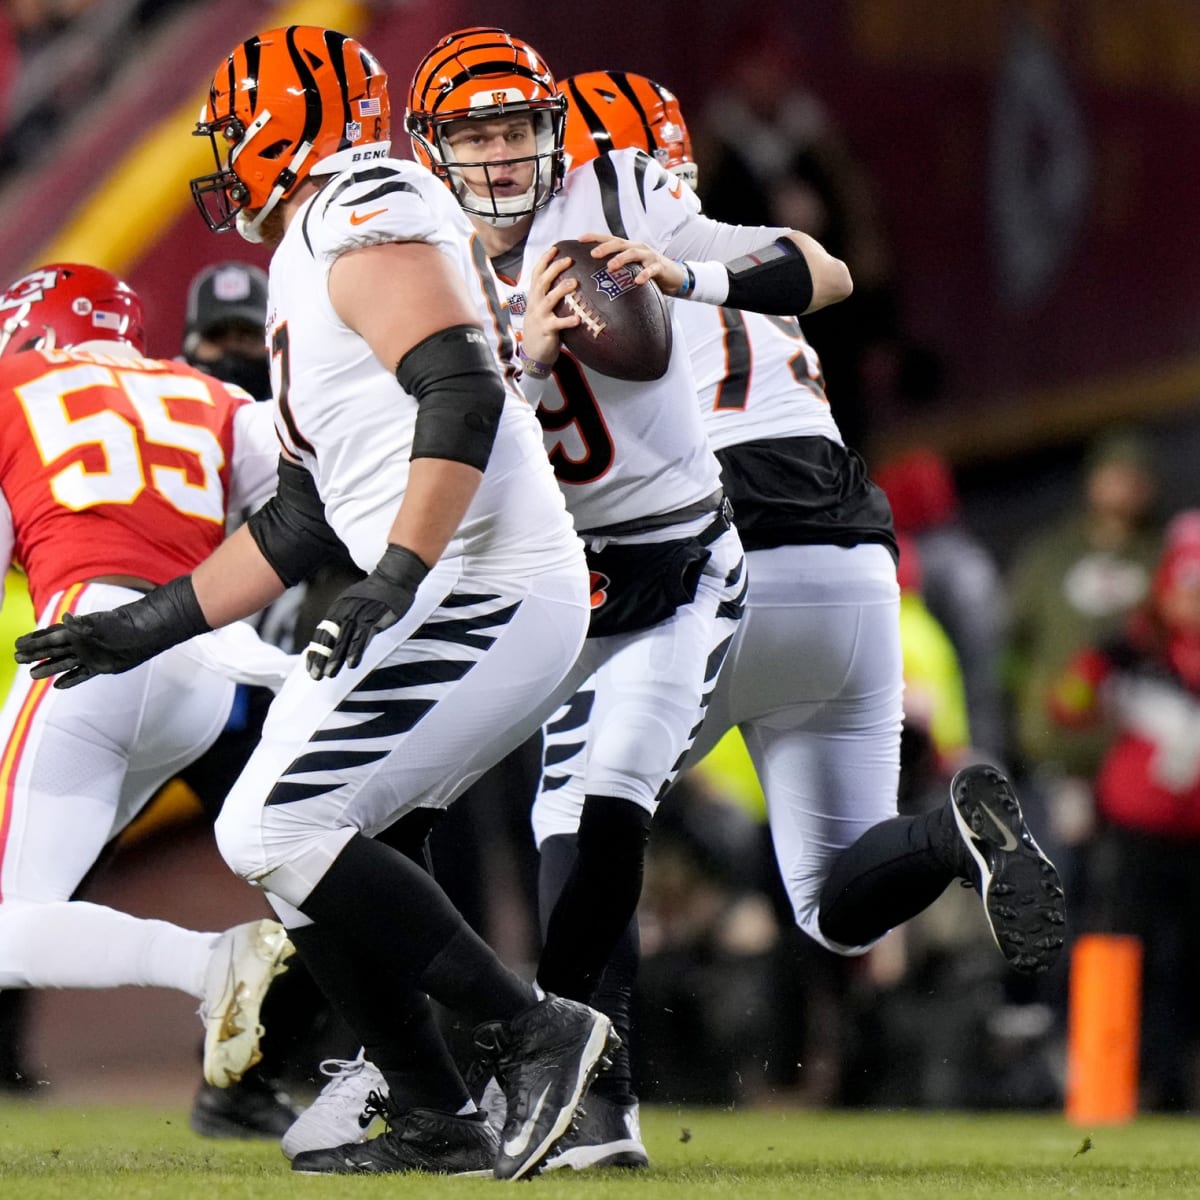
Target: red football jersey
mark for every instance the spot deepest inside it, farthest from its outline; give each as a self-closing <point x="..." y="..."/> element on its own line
<point x="112" y="465"/>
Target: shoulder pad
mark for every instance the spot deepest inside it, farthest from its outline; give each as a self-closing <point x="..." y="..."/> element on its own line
<point x="371" y="204"/>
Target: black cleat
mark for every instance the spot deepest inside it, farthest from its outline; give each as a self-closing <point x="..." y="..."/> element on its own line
<point x="1021" y="891"/>
<point x="606" y="1134"/>
<point x="251" y="1108"/>
<point x="544" y="1060"/>
<point x="421" y="1139"/>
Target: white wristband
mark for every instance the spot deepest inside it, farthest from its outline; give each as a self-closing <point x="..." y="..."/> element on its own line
<point x="712" y="282"/>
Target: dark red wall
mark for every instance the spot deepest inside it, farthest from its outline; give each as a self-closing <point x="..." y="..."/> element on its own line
<point x="924" y="92"/>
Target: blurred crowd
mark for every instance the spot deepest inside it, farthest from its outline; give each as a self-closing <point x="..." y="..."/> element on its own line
<point x="1069" y="656"/>
<point x="1074" y="663"/>
<point x="56" y="56"/>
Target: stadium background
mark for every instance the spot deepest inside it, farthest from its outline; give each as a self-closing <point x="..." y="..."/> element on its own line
<point x="1035" y="164"/>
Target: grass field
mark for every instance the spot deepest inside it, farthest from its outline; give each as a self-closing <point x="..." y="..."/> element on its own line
<point x="108" y="1153"/>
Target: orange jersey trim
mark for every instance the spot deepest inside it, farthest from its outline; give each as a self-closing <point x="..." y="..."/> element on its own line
<point x="10" y="761"/>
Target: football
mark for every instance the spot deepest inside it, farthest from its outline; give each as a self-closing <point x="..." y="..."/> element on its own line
<point x="624" y="328"/>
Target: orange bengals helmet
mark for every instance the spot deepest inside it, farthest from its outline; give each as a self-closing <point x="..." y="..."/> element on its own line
<point x="64" y="304"/>
<point x="483" y="73"/>
<point x="614" y="110"/>
<point x="286" y="104"/>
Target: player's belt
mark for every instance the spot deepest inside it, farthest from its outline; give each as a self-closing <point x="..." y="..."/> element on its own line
<point x="713" y="502"/>
<point x="723" y="521"/>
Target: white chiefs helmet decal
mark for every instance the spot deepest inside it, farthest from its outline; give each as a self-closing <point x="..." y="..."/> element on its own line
<point x="29" y="290"/>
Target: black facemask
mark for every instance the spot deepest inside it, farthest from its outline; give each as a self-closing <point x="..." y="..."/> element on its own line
<point x="253" y="374"/>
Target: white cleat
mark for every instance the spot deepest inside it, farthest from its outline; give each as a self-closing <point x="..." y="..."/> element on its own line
<point x="340" y="1115"/>
<point x="243" y="962"/>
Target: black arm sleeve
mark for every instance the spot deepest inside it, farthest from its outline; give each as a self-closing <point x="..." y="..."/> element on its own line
<point x="775" y="279"/>
<point x="454" y="379"/>
<point x="291" y="530"/>
<point x="109" y="643"/>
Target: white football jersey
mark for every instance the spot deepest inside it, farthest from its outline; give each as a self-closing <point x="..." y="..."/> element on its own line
<point x="343" y="413"/>
<point x="622" y="450"/>
<point x="747" y="369"/>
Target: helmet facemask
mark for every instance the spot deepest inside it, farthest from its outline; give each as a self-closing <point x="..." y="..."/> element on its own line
<point x="548" y="118"/>
<point x="486" y="74"/>
<point x="221" y="195"/>
<point x="288" y="103"/>
<point x="12" y="324"/>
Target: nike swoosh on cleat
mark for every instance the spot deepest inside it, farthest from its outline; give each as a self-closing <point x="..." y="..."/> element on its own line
<point x="362" y="218"/>
<point x="1009" y="842"/>
<point x="515" y="1147"/>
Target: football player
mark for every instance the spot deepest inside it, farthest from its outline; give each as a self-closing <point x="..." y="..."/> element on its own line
<point x="405" y="440"/>
<point x="117" y="471"/>
<point x="813" y="679"/>
<point x="223" y="335"/>
<point x="632" y="458"/>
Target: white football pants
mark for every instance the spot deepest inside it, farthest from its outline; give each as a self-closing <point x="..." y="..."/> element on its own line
<point x="78" y="765"/>
<point x="814" y="681"/>
<point x="467" y="675"/>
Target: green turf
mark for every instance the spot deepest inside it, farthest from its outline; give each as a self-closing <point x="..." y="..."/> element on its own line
<point x="100" y="1153"/>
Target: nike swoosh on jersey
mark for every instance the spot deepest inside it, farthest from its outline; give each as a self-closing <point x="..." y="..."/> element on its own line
<point x="514" y="1147"/>
<point x="1009" y="842"/>
<point x="362" y="218"/>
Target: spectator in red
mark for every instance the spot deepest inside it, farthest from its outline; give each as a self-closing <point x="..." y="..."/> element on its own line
<point x="1144" y="866"/>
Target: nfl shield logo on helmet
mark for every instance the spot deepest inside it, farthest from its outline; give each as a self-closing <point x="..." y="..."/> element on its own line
<point x="353" y="131"/>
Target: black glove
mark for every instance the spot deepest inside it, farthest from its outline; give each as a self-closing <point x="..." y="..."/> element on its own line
<point x="362" y="610"/>
<point x="108" y="643"/>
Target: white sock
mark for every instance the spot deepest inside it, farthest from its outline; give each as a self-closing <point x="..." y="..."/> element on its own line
<point x="71" y="943"/>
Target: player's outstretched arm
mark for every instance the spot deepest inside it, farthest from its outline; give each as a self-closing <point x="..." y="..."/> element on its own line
<point x="237" y="580"/>
<point x="233" y="582"/>
<point x="108" y="643"/>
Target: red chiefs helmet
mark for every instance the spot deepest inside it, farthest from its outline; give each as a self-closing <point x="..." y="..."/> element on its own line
<point x="64" y="304"/>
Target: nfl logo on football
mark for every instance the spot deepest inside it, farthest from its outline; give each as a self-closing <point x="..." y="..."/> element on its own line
<point x="615" y="283"/>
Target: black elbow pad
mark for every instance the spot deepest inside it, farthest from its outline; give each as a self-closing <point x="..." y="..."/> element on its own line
<point x="775" y="279"/>
<point x="456" y="383"/>
<point x="291" y="530"/>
